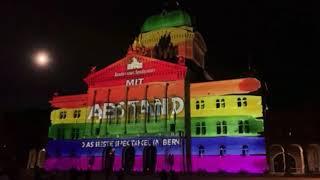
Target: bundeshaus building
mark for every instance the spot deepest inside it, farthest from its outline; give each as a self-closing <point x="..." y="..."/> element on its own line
<point x="158" y="109"/>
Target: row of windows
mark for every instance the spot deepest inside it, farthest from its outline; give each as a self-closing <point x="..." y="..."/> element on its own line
<point x="223" y="150"/>
<point x="133" y="113"/>
<point x="222" y="128"/>
<point x="201" y="129"/>
<point x="76" y="114"/>
<point x="220" y="103"/>
<point x="75" y="132"/>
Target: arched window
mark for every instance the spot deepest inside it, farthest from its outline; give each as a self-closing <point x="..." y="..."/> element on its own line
<point x="202" y="104"/>
<point x="222" y="150"/>
<point x="243" y="126"/>
<point x="224" y="127"/>
<point x="291" y="166"/>
<point x="197" y="105"/>
<point x="239" y="102"/>
<point x="245" y="150"/>
<point x="218" y="127"/>
<point x="32" y="158"/>
<point x="278" y="162"/>
<point x="242" y="102"/>
<point x="76" y="114"/>
<point x="246" y="126"/>
<point x="240" y="126"/>
<point x="223" y="104"/>
<point x="41" y="158"/>
<point x="201" y="128"/>
<point x="220" y="103"/>
<point x="75" y="133"/>
<point x="63" y="115"/>
<point x="201" y="151"/>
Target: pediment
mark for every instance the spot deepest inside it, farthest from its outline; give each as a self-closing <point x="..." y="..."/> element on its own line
<point x="134" y="68"/>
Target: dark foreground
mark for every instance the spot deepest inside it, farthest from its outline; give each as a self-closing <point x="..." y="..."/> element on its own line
<point x="31" y="175"/>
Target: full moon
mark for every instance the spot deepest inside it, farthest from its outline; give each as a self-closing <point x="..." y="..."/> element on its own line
<point x="41" y="59"/>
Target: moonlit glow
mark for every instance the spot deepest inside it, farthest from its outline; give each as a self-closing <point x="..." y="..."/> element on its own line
<point x="41" y="59"/>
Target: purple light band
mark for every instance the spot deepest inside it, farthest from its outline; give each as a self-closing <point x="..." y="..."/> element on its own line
<point x="229" y="164"/>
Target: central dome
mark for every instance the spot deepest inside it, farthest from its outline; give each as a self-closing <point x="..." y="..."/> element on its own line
<point x="166" y="19"/>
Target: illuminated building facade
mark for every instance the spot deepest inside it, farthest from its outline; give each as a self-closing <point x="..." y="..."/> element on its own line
<point x="145" y="113"/>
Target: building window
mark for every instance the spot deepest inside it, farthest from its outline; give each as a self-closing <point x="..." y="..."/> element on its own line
<point x="197" y="105"/>
<point x="198" y="128"/>
<point x="222" y="127"/>
<point x="220" y="103"/>
<point x="97" y="131"/>
<point x="240" y="125"/>
<point x="201" y="128"/>
<point x="75" y="133"/>
<point x="242" y="102"/>
<point x="76" y="114"/>
<point x="200" y="104"/>
<point x="245" y="150"/>
<point x="244" y="127"/>
<point x="222" y="150"/>
<point x="63" y="115"/>
<point x="201" y="151"/>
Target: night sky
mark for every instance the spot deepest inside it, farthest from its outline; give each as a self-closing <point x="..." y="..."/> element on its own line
<point x="278" y="36"/>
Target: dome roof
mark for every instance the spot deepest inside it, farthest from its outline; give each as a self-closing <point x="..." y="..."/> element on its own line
<point x="169" y="19"/>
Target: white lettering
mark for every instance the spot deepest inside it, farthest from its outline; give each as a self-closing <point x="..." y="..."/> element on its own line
<point x="177" y="105"/>
<point x="134" y="82"/>
<point x="97" y="112"/>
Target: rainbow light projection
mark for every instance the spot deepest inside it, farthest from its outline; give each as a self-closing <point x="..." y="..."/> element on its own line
<point x="141" y="114"/>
